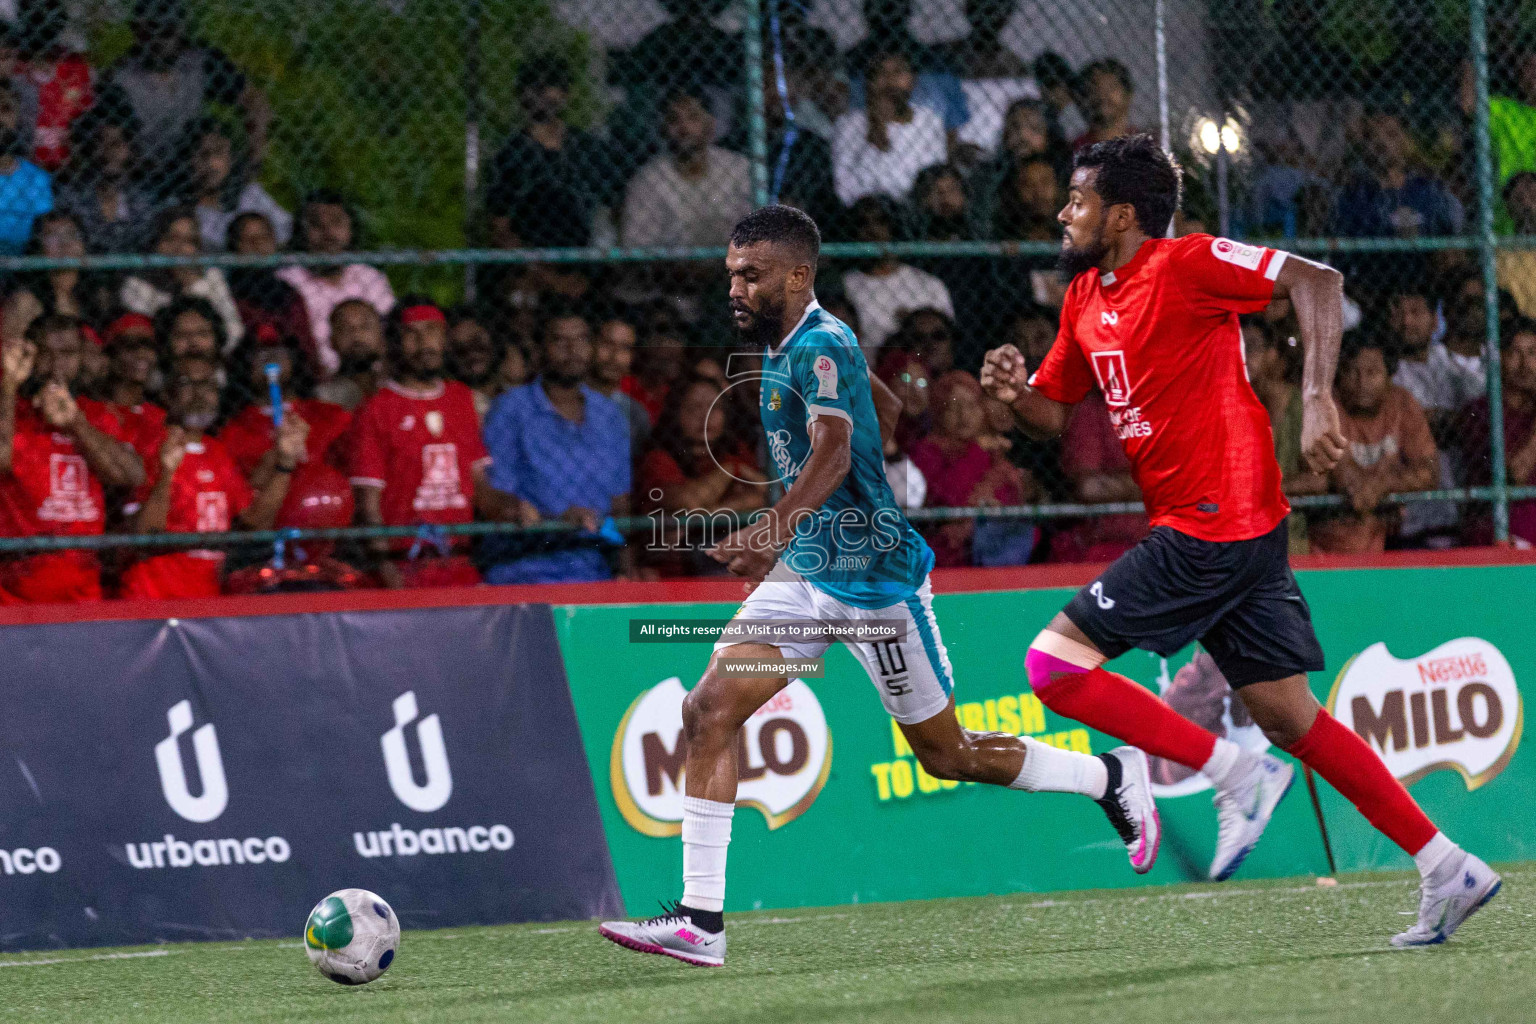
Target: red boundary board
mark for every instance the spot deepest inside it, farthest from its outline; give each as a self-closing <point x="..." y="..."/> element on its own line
<point x="945" y="581"/>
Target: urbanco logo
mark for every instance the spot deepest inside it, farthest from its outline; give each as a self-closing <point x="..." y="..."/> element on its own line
<point x="210" y="768"/>
<point x="783" y="760"/>
<point x="434" y="793"/>
<point x="1455" y="708"/>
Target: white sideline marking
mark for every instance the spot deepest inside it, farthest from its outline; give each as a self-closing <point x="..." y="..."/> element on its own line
<point x="78" y="959"/>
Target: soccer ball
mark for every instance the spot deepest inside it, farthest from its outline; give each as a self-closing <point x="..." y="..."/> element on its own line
<point x="351" y="936"/>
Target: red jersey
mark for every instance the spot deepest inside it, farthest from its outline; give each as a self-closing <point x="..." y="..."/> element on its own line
<point x="63" y="94"/>
<point x="142" y="426"/>
<point x="50" y="490"/>
<point x="1159" y="337"/>
<point x="207" y="492"/>
<point x="249" y="435"/>
<point x="422" y="448"/>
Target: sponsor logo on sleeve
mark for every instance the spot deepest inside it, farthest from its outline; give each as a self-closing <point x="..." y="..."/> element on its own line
<point x="784" y="755"/>
<point x="1237" y="253"/>
<point x="1456" y="708"/>
<point x="826" y="377"/>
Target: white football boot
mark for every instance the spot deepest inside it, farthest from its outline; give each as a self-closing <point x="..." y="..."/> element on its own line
<point x="1128" y="804"/>
<point x="1243" y="810"/>
<point x="1443" y="907"/>
<point x="671" y="933"/>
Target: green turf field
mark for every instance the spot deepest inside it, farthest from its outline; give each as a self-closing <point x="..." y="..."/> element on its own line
<point x="1275" y="951"/>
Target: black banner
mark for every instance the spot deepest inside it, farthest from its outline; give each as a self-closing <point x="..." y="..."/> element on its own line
<point x="213" y="778"/>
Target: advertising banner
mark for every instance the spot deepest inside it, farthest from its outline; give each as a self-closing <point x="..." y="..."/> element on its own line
<point x="834" y="808"/>
<point x="213" y="778"/>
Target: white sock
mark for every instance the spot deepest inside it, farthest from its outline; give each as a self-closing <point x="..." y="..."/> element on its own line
<point x="1228" y="762"/>
<point x="1048" y="769"/>
<point x="1436" y="853"/>
<point x="706" y="836"/>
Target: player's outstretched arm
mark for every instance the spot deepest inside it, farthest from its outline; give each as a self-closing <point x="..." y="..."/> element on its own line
<point x="752" y="550"/>
<point x="1317" y="294"/>
<point x="1005" y="376"/>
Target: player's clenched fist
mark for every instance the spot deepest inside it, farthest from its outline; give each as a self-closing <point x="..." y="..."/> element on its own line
<point x="1322" y="441"/>
<point x="1004" y="374"/>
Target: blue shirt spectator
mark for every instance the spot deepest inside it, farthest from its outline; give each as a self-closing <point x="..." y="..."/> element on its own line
<point x="564" y="448"/>
<point x="25" y="192"/>
<point x="1385" y="198"/>
<point x="25" y="195"/>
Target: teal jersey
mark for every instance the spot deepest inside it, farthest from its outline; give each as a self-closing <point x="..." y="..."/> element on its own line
<point x="859" y="547"/>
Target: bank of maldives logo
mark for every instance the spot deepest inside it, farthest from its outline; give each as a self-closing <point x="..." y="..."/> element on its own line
<point x="784" y="755"/>
<point x="1114" y="379"/>
<point x="1455" y="708"/>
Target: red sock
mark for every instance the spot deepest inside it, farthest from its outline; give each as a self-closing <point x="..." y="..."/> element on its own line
<point x="1113" y="704"/>
<point x="1353" y="768"/>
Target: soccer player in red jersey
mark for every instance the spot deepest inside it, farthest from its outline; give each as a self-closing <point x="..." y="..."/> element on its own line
<point x="417" y="456"/>
<point x="57" y="453"/>
<point x="194" y="486"/>
<point x="1152" y="323"/>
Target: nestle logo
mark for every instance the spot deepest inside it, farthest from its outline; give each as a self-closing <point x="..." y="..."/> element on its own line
<point x="1452" y="670"/>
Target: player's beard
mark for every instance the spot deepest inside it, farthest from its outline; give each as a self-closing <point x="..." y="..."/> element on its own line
<point x="765" y="328"/>
<point x="1073" y="259"/>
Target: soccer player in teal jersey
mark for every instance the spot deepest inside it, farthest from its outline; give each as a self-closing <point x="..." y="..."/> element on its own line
<point x="835" y="549"/>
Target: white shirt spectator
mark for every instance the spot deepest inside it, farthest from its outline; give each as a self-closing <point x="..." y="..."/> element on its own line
<point x="881" y="301"/>
<point x="988" y="100"/>
<point x="664" y="208"/>
<point x="141" y="296"/>
<point x="859" y="169"/>
<point x="907" y="482"/>
<point x="213" y="224"/>
<point x="1444" y="381"/>
<point x="358" y="281"/>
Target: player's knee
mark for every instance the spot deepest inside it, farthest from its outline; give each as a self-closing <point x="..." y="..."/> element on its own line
<point x="705" y="714"/>
<point x="1053" y="657"/>
<point x="1283" y="713"/>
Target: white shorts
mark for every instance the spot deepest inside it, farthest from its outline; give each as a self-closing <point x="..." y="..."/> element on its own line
<point x="912" y="675"/>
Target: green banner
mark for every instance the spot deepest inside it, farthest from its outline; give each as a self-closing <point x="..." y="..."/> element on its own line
<point x="833" y="807"/>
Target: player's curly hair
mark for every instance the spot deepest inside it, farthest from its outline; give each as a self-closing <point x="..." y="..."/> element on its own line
<point x="782" y="225"/>
<point x="1134" y="169"/>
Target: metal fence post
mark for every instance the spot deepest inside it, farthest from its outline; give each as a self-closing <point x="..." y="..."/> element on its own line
<point x="1485" y="250"/>
<point x="757" y="124"/>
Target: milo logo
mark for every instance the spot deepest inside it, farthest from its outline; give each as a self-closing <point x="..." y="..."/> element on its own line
<point x="1454" y="708"/>
<point x="784" y="754"/>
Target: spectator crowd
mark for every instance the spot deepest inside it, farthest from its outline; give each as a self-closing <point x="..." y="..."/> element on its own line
<point x="191" y="399"/>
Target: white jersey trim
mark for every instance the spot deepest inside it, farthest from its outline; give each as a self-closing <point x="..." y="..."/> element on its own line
<point x="812" y="411"/>
<point x="1275" y="263"/>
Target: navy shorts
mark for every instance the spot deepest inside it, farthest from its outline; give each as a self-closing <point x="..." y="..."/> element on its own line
<point x="1238" y="598"/>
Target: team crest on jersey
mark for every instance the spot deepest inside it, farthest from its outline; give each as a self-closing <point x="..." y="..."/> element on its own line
<point x="1114" y="380"/>
<point x="434" y="420"/>
<point x="775" y="400"/>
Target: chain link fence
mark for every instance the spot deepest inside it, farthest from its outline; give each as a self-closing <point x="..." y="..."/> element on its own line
<point x="386" y="217"/>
